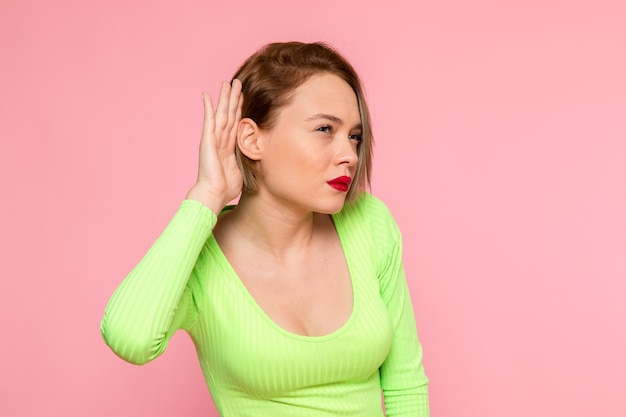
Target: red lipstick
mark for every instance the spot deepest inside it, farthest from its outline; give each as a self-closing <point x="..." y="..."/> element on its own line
<point x="340" y="183"/>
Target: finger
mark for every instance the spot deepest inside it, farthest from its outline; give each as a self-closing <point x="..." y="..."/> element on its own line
<point x="232" y="137"/>
<point x="238" y="113"/>
<point x="221" y="113"/>
<point x="208" y="125"/>
<point x="233" y="104"/>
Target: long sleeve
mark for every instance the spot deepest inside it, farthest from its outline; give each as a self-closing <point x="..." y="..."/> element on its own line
<point x="405" y="386"/>
<point x="154" y="300"/>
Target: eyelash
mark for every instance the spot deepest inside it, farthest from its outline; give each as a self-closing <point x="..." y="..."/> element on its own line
<point x="329" y="129"/>
<point x="325" y="129"/>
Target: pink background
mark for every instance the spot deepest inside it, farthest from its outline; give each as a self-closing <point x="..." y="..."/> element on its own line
<point x="501" y="150"/>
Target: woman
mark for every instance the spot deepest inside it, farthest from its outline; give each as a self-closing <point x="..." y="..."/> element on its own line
<point x="296" y="298"/>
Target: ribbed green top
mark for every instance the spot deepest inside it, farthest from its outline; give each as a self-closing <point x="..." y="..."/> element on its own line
<point x="252" y="366"/>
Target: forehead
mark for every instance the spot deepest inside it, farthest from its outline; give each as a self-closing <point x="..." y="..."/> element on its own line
<point x="325" y="93"/>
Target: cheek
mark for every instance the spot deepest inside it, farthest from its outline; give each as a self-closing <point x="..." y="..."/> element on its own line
<point x="308" y="155"/>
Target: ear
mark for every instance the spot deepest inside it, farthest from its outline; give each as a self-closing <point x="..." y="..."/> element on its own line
<point x="249" y="139"/>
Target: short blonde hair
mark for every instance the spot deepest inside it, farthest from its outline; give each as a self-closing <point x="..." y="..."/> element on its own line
<point x="269" y="78"/>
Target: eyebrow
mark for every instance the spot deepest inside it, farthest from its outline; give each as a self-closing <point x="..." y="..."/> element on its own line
<point x="329" y="117"/>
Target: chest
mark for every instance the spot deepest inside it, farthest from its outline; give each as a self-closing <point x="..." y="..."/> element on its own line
<point x="241" y="346"/>
<point x="311" y="296"/>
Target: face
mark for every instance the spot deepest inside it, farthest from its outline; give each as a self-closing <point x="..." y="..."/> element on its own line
<point x="309" y="154"/>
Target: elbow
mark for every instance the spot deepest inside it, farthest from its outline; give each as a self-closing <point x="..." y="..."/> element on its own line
<point x="129" y="344"/>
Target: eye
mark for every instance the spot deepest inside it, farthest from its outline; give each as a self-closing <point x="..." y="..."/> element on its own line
<point x="356" y="136"/>
<point x="325" y="129"/>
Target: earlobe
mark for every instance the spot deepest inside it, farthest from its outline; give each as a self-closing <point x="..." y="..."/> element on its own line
<point x="248" y="139"/>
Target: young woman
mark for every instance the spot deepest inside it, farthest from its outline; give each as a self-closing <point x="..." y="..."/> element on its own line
<point x="295" y="298"/>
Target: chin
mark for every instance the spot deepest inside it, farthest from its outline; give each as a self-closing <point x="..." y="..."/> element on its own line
<point x="331" y="207"/>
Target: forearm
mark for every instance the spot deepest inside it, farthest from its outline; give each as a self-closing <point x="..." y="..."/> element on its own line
<point x="404" y="383"/>
<point x="138" y="319"/>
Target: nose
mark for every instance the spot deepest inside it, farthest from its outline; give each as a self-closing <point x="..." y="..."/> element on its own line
<point x="347" y="153"/>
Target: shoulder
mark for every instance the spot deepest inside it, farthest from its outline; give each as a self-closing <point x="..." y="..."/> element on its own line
<point x="371" y="229"/>
<point x="372" y="213"/>
<point x="370" y="208"/>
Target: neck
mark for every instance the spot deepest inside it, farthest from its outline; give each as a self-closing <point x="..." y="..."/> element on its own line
<point x="273" y="227"/>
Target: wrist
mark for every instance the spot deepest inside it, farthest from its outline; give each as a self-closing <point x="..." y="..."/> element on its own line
<point x="210" y="200"/>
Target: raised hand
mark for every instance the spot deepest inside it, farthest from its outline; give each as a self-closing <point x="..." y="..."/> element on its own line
<point x="219" y="177"/>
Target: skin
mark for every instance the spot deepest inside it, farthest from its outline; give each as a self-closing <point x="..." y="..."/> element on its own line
<point x="314" y="141"/>
<point x="281" y="240"/>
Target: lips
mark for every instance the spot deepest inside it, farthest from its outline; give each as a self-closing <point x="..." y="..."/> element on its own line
<point x="340" y="183"/>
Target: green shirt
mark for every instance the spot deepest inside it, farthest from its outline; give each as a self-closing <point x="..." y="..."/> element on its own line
<point x="252" y="366"/>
